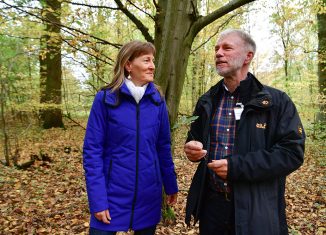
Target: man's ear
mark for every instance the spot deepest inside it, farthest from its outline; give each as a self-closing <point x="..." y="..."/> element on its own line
<point x="249" y="57"/>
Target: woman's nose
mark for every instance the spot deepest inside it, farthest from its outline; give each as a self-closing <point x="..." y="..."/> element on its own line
<point x="152" y="65"/>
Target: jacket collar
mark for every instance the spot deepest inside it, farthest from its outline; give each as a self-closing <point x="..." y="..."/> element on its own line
<point x="113" y="98"/>
<point x="252" y="93"/>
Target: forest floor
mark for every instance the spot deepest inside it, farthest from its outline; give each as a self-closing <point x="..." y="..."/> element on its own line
<point x="50" y="198"/>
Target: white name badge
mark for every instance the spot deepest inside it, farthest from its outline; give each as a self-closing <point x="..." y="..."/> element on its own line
<point x="238" y="111"/>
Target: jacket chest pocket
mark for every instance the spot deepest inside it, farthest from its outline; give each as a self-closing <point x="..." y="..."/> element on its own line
<point x="258" y="130"/>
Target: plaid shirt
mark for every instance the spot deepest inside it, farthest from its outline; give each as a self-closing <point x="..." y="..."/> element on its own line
<point x="222" y="133"/>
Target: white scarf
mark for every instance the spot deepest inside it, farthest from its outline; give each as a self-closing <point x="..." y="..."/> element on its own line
<point x="136" y="91"/>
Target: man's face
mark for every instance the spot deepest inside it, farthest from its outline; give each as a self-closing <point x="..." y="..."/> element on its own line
<point x="230" y="55"/>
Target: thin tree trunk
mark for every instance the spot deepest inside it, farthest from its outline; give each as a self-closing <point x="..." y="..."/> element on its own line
<point x="50" y="67"/>
<point x="194" y="81"/>
<point x="321" y="19"/>
<point x="4" y="127"/>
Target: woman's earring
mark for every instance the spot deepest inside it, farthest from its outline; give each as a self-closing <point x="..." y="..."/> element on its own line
<point x="129" y="77"/>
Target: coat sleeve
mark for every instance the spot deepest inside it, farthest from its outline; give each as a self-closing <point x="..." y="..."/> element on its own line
<point x="196" y="127"/>
<point x="285" y="155"/>
<point x="93" y="156"/>
<point x="164" y="153"/>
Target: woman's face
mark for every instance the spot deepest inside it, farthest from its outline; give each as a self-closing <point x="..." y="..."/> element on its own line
<point x="141" y="69"/>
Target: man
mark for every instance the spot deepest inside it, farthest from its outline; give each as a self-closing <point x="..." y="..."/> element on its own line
<point x="248" y="137"/>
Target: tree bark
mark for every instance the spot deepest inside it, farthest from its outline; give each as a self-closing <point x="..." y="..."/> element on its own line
<point x="50" y="66"/>
<point x="176" y="25"/>
<point x="321" y="19"/>
<point x="3" y="122"/>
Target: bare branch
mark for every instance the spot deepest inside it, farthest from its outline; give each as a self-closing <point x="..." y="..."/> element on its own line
<point x="89" y="5"/>
<point x="64" y="26"/>
<point x="214" y="34"/>
<point x="195" y="9"/>
<point x="76" y="61"/>
<point x="149" y="15"/>
<point x="86" y="52"/>
<point x="20" y="37"/>
<point x="74" y="121"/>
<point x="143" y="29"/>
<point x="201" y="22"/>
<point x="155" y="4"/>
<point x="15" y="6"/>
<point x="87" y="41"/>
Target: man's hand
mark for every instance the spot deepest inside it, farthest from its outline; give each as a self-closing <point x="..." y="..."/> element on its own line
<point x="194" y="150"/>
<point x="103" y="216"/>
<point x="220" y="167"/>
<point x="171" y="199"/>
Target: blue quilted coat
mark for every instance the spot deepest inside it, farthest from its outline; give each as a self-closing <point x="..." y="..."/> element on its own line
<point x="127" y="158"/>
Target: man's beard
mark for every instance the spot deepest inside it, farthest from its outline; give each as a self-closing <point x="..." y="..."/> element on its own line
<point x="234" y="65"/>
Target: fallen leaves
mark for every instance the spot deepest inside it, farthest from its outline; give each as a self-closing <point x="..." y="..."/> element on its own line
<point x="51" y="198"/>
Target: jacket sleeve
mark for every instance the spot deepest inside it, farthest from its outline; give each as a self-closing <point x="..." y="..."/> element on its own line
<point x="164" y="153"/>
<point x="285" y="155"/>
<point x="196" y="128"/>
<point x="93" y="156"/>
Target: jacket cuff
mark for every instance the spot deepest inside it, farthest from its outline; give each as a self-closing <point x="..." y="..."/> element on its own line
<point x="229" y="176"/>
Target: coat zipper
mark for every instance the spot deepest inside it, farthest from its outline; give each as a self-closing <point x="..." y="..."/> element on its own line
<point x="137" y="160"/>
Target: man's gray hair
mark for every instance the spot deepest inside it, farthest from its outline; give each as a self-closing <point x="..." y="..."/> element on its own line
<point x="247" y="39"/>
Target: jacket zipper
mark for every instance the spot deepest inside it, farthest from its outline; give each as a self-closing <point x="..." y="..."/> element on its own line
<point x="137" y="160"/>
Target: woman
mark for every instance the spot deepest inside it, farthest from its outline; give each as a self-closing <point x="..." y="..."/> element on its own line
<point x="127" y="153"/>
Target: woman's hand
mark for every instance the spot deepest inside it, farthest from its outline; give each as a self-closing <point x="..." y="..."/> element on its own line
<point x="103" y="216"/>
<point x="172" y="199"/>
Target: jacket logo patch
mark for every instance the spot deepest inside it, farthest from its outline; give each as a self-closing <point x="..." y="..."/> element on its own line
<point x="261" y="125"/>
<point x="265" y="102"/>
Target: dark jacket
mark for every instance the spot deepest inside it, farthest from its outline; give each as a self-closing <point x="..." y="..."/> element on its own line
<point x="269" y="145"/>
<point x="127" y="158"/>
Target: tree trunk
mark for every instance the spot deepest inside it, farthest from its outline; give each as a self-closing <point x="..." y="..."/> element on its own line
<point x="321" y="19"/>
<point x="3" y="122"/>
<point x="50" y="66"/>
<point x="194" y="92"/>
<point x="176" y="24"/>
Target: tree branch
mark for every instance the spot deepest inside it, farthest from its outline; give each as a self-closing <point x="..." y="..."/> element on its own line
<point x="64" y="26"/>
<point x="195" y="9"/>
<point x="203" y="21"/>
<point x="142" y="28"/>
<point x="155" y="4"/>
<point x="87" y="41"/>
<point x="89" y="5"/>
<point x="214" y="34"/>
<point x="19" y="37"/>
<point x="86" y="52"/>
<point x="74" y="121"/>
<point x="133" y="4"/>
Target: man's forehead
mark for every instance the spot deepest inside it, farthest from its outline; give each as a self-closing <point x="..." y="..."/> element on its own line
<point x="231" y="39"/>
